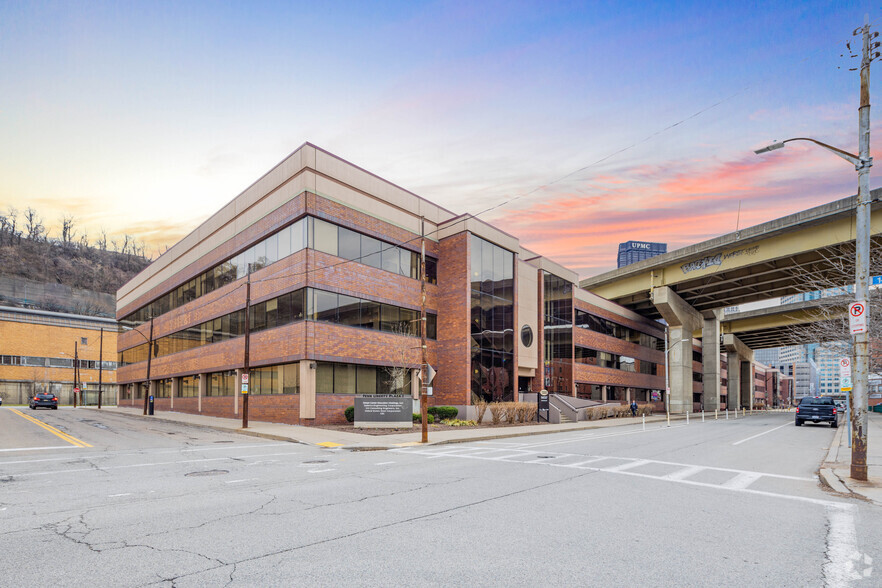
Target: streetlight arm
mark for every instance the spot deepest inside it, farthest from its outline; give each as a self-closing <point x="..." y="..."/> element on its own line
<point x="849" y="157"/>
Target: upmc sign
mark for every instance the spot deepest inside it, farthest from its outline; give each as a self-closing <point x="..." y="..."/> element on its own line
<point x="639" y="245"/>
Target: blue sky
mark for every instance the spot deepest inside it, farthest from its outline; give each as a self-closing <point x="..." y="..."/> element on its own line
<point x="119" y="113"/>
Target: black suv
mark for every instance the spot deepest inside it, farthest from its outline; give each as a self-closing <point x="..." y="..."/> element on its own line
<point x="45" y="399"/>
<point x="817" y="409"/>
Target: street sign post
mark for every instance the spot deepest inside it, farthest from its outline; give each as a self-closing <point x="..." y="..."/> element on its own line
<point x="857" y="317"/>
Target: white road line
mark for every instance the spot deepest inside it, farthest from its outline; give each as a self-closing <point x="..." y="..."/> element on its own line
<point x="579" y="463"/>
<point x="320" y="471"/>
<point x="842" y="551"/>
<point x="741" y="481"/>
<point x="384" y="463"/>
<point x="684" y="473"/>
<point x="760" y="434"/>
<point x="627" y="466"/>
<point x="39" y="448"/>
<point x="242" y="480"/>
<point x="118" y="495"/>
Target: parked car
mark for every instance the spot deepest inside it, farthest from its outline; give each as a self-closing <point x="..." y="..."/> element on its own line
<point x="44" y="399"/>
<point x="817" y="409"/>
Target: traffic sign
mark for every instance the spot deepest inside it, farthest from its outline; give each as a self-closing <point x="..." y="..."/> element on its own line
<point x="845" y="367"/>
<point x="857" y="317"/>
<point x="245" y="379"/>
<point x="845" y="384"/>
<point x="244" y="388"/>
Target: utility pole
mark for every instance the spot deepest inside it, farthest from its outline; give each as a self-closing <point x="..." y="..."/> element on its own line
<point x="76" y="372"/>
<point x="862" y="266"/>
<point x="100" y="366"/>
<point x="424" y="360"/>
<point x="149" y="357"/>
<point x="247" y="348"/>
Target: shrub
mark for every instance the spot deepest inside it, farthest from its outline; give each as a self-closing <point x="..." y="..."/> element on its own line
<point x="458" y="423"/>
<point x="511" y="411"/>
<point x="444" y="412"/>
<point x="418" y="418"/>
<point x="497" y="409"/>
<point x="521" y="409"/>
<point x="349" y="413"/>
<point x="530" y="411"/>
<point x="481" y="406"/>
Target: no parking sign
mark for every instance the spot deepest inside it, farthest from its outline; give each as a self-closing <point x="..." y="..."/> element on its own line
<point x="857" y="317"/>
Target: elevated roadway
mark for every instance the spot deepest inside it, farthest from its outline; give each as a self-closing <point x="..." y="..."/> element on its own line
<point x="690" y="287"/>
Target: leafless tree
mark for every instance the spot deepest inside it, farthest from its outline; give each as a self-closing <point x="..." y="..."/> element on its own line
<point x="34" y="227"/>
<point x="406" y="353"/>
<point x="67" y="229"/>
<point x="101" y="243"/>
<point x="831" y="291"/>
<point x="8" y="226"/>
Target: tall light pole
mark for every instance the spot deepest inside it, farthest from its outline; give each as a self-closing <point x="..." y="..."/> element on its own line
<point x="862" y="163"/>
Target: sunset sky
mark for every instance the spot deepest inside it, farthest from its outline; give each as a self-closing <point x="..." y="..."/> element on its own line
<point x="604" y="121"/>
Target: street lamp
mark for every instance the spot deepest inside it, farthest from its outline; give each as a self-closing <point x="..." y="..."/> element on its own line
<point x="668" y="348"/>
<point x="862" y="163"/>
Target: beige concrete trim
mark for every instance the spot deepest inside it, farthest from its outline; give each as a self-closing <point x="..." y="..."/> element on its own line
<point x="307" y="389"/>
<point x="675" y="310"/>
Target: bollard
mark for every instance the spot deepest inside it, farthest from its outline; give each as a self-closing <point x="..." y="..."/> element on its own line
<point x="716" y="416"/>
<point x="727" y="414"/>
<point x="687" y="417"/>
<point x="644" y="421"/>
<point x="743" y="412"/>
<point x="702" y="416"/>
<point x="669" y="419"/>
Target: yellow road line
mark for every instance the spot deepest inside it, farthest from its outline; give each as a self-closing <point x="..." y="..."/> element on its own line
<point x="329" y="444"/>
<point x="53" y="430"/>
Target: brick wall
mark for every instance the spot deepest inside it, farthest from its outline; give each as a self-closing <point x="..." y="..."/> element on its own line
<point x="452" y="385"/>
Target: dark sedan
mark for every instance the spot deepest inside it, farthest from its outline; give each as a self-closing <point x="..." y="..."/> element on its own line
<point x="44" y="399"/>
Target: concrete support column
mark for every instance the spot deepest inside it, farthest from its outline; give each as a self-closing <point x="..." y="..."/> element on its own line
<point x="151" y="389"/>
<point x="710" y="356"/>
<point x="682" y="320"/>
<point x="740" y="388"/>
<point x="202" y="387"/>
<point x="604" y="393"/>
<point x="307" y="389"/>
<point x="748" y="386"/>
<point x="176" y="387"/>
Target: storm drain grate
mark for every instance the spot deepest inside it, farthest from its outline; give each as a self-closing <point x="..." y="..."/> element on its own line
<point x="208" y="473"/>
<point x="545" y="456"/>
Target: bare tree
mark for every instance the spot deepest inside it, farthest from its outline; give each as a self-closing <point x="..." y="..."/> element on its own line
<point x="67" y="229"/>
<point x="831" y="290"/>
<point x="8" y="225"/>
<point x="34" y="227"/>
<point x="101" y="243"/>
<point x="406" y="353"/>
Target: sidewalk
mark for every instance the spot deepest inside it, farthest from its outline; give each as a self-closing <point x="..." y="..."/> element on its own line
<point x="361" y="442"/>
<point x="836" y="469"/>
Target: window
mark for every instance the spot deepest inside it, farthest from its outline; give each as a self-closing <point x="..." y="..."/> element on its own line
<point x="325" y="236"/>
<point x="526" y="335"/>
<point x="84" y="341"/>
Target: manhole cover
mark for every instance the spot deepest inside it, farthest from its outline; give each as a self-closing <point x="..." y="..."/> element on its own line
<point x="208" y="473"/>
<point x="316" y="461"/>
<point x="545" y="456"/>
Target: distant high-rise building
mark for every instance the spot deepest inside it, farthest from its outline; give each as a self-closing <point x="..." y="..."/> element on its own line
<point x="634" y="251"/>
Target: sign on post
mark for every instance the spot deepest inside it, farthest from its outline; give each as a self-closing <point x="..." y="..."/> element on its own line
<point x="845" y="367"/>
<point x="244" y="378"/>
<point x="845" y="384"/>
<point x="857" y="317"/>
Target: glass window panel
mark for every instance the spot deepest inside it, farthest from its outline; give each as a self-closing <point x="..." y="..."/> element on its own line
<point x="389" y="318"/>
<point x="487" y="262"/>
<point x="297" y="310"/>
<point x="325" y="237"/>
<point x="272" y="249"/>
<point x="272" y="313"/>
<point x="507" y="265"/>
<point x="370" y="315"/>
<point x="344" y="378"/>
<point x="498" y="262"/>
<point x="410" y="322"/>
<point x="325" y="306"/>
<point x="405" y="262"/>
<point x="259" y="256"/>
<point x="298" y="235"/>
<point x="291" y="378"/>
<point x="476" y="261"/>
<point x="366" y="379"/>
<point x="238" y="262"/>
<point x="284" y="243"/>
<point x="391" y="258"/>
<point x="247" y="260"/>
<point x="349" y="245"/>
<point x="431" y="271"/>
<point x="432" y="326"/>
<point x="348" y="310"/>
<point x="258" y="317"/>
<point x="324" y="378"/>
<point x="370" y="251"/>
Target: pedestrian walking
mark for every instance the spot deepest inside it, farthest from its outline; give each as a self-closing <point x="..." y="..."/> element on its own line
<point x="634" y="408"/>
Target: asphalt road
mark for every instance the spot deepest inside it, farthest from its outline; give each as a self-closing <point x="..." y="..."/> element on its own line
<point x="109" y="500"/>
